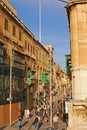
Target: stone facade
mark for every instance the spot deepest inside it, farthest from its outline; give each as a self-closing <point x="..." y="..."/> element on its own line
<point x="77" y="16"/>
<point x="77" y="115"/>
<point x="20" y="52"/>
<point x="77" y="12"/>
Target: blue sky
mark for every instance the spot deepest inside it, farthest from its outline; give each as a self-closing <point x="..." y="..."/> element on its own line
<point x="54" y="24"/>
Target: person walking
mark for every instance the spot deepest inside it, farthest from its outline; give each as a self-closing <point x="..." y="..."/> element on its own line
<point x="55" y="121"/>
<point x="19" y="122"/>
<point x="27" y="113"/>
<point x="37" y="119"/>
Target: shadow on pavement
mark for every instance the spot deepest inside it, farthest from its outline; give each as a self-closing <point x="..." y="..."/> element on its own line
<point x="25" y="123"/>
<point x="33" y="124"/>
<point x="3" y="127"/>
<point x="40" y="124"/>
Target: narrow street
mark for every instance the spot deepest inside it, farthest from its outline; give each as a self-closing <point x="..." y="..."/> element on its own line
<point x="27" y="124"/>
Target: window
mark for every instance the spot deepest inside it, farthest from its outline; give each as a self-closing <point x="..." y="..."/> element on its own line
<point x="1" y="51"/>
<point x="1" y="83"/>
<point x="28" y="47"/>
<point x="39" y="55"/>
<point x="36" y="54"/>
<point x="6" y="24"/>
<point x="25" y="44"/>
<point x="14" y="31"/>
<point x="1" y="60"/>
<point x="43" y="58"/>
<point x="6" y="82"/>
<point x="33" y="50"/>
<point x="15" y="82"/>
<point x="1" y="55"/>
<point x="20" y="35"/>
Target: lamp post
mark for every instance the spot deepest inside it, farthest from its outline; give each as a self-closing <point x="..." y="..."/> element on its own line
<point x="64" y="1"/>
<point x="39" y="20"/>
<point x="38" y="89"/>
<point x="50" y="89"/>
<point x="10" y="95"/>
<point x="40" y="42"/>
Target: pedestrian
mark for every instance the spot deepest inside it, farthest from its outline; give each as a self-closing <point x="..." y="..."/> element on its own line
<point x="27" y="113"/>
<point x="19" y="122"/>
<point x="55" y="121"/>
<point x="45" y="115"/>
<point x="37" y="119"/>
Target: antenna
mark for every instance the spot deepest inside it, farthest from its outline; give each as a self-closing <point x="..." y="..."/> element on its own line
<point x="64" y="1"/>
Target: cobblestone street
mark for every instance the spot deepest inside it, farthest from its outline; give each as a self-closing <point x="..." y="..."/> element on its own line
<point x="27" y="124"/>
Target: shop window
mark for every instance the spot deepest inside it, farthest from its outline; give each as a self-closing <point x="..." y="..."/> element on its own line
<point x="7" y="82"/>
<point x="4" y="90"/>
<point x="1" y="51"/>
<point x="1" y="83"/>
<point x="1" y="59"/>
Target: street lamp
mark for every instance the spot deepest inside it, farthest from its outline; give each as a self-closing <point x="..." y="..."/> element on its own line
<point x="50" y="87"/>
<point x="38" y="89"/>
<point x="39" y="20"/>
<point x="10" y="95"/>
<point x="40" y="42"/>
<point x="10" y="88"/>
<point x="64" y="1"/>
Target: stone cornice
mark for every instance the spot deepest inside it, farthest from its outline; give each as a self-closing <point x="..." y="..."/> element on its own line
<point x="78" y="68"/>
<point x="74" y="2"/>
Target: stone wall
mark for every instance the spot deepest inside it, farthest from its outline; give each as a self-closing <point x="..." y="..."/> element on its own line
<point x="77" y="115"/>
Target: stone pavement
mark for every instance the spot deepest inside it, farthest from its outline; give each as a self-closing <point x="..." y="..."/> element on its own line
<point x="27" y="124"/>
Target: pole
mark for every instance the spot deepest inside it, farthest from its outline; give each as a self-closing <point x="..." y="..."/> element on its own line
<point x="40" y="42"/>
<point x="37" y="87"/>
<point x="39" y="20"/>
<point x="50" y="90"/>
<point x="64" y="1"/>
<point x="10" y="96"/>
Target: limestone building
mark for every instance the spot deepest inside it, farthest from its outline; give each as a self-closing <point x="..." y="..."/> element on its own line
<point x="77" y="16"/>
<point x="77" y="22"/>
<point x="23" y="59"/>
